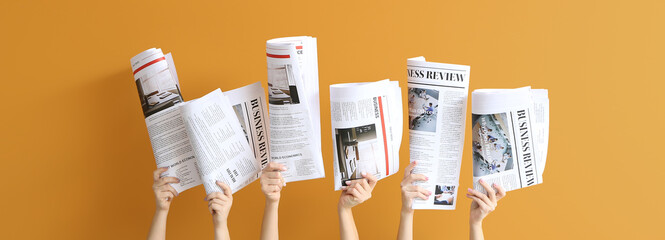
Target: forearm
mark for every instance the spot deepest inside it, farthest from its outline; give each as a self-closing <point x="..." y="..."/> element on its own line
<point x="476" y="231"/>
<point x="347" y="226"/>
<point x="405" y="231"/>
<point x="269" y="226"/>
<point x="158" y="226"/>
<point x="221" y="231"/>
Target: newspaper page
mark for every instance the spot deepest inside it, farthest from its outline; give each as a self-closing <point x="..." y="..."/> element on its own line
<point x="437" y="98"/>
<point x="159" y="93"/>
<point x="366" y="120"/>
<point x="294" y="107"/>
<point x="221" y="148"/>
<point x="510" y="131"/>
<point x="249" y="105"/>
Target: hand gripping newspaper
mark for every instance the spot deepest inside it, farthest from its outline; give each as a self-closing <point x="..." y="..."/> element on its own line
<point x="293" y="97"/>
<point x="437" y="98"/>
<point x="510" y="136"/>
<point x="216" y="137"/>
<point x="366" y="120"/>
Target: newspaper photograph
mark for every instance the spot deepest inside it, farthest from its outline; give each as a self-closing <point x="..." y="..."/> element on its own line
<point x="366" y="120"/>
<point x="437" y="101"/>
<point x="293" y="101"/>
<point x="159" y="93"/>
<point x="510" y="129"/>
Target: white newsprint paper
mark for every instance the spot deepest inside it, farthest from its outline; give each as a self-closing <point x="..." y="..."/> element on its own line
<point x="249" y="105"/>
<point x="220" y="145"/>
<point x="293" y="100"/>
<point x="510" y="136"/>
<point x="206" y="139"/>
<point x="366" y="120"/>
<point x="437" y="98"/>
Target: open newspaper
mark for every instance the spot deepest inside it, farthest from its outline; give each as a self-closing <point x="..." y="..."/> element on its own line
<point x="293" y="97"/>
<point x="204" y="140"/>
<point x="437" y="98"/>
<point x="510" y="136"/>
<point x="366" y="120"/>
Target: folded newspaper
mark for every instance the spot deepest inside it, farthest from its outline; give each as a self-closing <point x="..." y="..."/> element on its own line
<point x="293" y="97"/>
<point x="221" y="136"/>
<point x="366" y="121"/>
<point x="510" y="136"/>
<point x="438" y="95"/>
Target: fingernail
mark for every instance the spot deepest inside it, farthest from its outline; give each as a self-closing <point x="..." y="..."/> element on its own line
<point x="469" y="189"/>
<point x="426" y="178"/>
<point x="347" y="182"/>
<point x="283" y="168"/>
<point x="429" y="193"/>
<point x="363" y="173"/>
<point x="343" y="188"/>
<point x="481" y="180"/>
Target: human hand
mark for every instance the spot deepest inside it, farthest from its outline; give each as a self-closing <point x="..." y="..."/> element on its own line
<point x="164" y="192"/>
<point x="272" y="181"/>
<point x="357" y="191"/>
<point x="483" y="204"/>
<point x="411" y="191"/>
<point x="219" y="204"/>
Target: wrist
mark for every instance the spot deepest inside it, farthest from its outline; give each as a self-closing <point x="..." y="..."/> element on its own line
<point x="343" y="209"/>
<point x="161" y="211"/>
<point x="475" y="224"/>
<point x="271" y="202"/>
<point x="406" y="210"/>
<point x="219" y="222"/>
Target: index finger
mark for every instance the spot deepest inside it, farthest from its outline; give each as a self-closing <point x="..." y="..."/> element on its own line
<point x="490" y="191"/>
<point x="371" y="179"/>
<point x="225" y="188"/>
<point x="273" y="167"/>
<point x="158" y="172"/>
<point x="409" y="169"/>
<point x="500" y="192"/>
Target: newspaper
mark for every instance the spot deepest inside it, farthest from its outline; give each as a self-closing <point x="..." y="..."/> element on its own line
<point x="366" y="120"/>
<point x="437" y="99"/>
<point x="159" y="92"/>
<point x="510" y="136"/>
<point x="203" y="140"/>
<point x="249" y="105"/>
<point x="293" y="97"/>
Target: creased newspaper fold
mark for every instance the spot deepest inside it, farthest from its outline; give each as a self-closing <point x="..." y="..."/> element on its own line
<point x="510" y="129"/>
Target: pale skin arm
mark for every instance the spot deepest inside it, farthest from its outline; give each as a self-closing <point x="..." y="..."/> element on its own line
<point x="271" y="185"/>
<point x="356" y="192"/>
<point x="481" y="206"/>
<point x="164" y="195"/>
<point x="409" y="192"/>
<point x="219" y="205"/>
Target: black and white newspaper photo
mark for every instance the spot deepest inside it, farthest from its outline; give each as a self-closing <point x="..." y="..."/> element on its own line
<point x="219" y="143"/>
<point x="510" y="129"/>
<point x="159" y="94"/>
<point x="249" y="106"/>
<point x="437" y="100"/>
<point x="366" y="120"/>
<point x="293" y="101"/>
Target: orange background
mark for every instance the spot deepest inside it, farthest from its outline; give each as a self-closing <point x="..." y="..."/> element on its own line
<point x="77" y="162"/>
